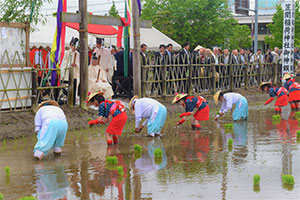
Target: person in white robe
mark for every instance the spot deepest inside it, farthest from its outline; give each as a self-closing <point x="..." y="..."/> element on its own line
<point x="98" y="80"/>
<point x="104" y="59"/>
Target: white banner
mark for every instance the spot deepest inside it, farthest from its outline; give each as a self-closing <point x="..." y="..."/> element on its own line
<point x="288" y="37"/>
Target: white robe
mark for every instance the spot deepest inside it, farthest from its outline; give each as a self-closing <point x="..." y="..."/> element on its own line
<point x="102" y="82"/>
<point x="106" y="62"/>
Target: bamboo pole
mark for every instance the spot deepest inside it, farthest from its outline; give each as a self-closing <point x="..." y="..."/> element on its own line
<point x="34" y="89"/>
<point x="71" y="88"/>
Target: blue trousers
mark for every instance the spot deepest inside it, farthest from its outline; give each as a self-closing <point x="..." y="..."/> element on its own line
<point x="54" y="136"/>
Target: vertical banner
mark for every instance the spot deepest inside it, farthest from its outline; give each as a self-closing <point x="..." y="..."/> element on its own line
<point x="288" y="37"/>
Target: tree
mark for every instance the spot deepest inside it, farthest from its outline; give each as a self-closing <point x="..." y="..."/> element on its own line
<point x="240" y="37"/>
<point x="113" y="11"/>
<point x="205" y="22"/>
<point x="276" y="28"/>
<point x="20" y="11"/>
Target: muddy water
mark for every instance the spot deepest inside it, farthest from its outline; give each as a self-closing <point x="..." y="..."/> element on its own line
<point x="194" y="164"/>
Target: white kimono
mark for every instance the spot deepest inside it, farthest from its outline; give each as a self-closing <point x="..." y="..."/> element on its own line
<point x="106" y="62"/>
<point x="102" y="82"/>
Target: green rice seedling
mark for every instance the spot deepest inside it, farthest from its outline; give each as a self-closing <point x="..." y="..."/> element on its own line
<point x="256" y="179"/>
<point x="297" y="114"/>
<point x="115" y="160"/>
<point x="158" y="152"/>
<point x="298" y="135"/>
<point x="229" y="144"/>
<point x="137" y="154"/>
<point x="4" y="144"/>
<point x="288" y="179"/>
<point x="7" y="171"/>
<point x="1" y="196"/>
<point x="112" y="160"/>
<point x="256" y="188"/>
<point x="89" y="119"/>
<point x="138" y="147"/>
<point x="228" y="126"/>
<point x="120" y="170"/>
<point x="109" y="160"/>
<point x="27" y="198"/>
<point x="158" y="160"/>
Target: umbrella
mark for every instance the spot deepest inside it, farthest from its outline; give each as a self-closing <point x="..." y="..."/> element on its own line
<point x="95" y="28"/>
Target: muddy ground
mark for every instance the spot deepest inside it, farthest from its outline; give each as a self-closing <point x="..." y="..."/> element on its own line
<point x="16" y="124"/>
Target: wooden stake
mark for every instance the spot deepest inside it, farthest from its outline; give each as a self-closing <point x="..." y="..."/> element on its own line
<point x="83" y="53"/>
<point x="136" y="50"/>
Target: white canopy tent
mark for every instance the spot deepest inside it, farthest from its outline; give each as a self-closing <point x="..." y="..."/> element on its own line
<point x="44" y="35"/>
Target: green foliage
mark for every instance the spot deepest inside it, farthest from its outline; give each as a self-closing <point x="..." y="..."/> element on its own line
<point x="158" y="160"/>
<point x="158" y="152"/>
<point x="27" y="198"/>
<point x="1" y="196"/>
<point x="276" y="119"/>
<point x="288" y="179"/>
<point x="205" y="22"/>
<point x="240" y="37"/>
<point x="120" y="170"/>
<point x="276" y="28"/>
<point x="298" y="134"/>
<point x="7" y="171"/>
<point x="138" y="147"/>
<point x="297" y="114"/>
<point x="112" y="160"/>
<point x="256" y="179"/>
<point x="20" y="11"/>
<point x="113" y="11"/>
<point x="228" y="126"/>
<point x="229" y="144"/>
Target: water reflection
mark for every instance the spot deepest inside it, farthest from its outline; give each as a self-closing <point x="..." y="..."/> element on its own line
<point x="51" y="183"/>
<point x="148" y="162"/>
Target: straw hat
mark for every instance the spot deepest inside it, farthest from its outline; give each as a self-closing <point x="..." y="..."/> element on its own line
<point x="263" y="84"/>
<point x="287" y="76"/>
<point x="91" y="95"/>
<point x="54" y="103"/>
<point x="131" y="102"/>
<point x="178" y="97"/>
<point x="216" y="97"/>
<point x="198" y="47"/>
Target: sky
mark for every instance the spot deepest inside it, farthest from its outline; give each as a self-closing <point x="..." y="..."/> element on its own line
<point x="97" y="7"/>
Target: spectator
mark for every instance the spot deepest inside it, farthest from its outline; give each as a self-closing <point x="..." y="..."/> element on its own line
<point x="297" y="70"/>
<point x="296" y="54"/>
<point x="169" y="54"/>
<point x="275" y="55"/>
<point x="226" y="56"/>
<point x="257" y="58"/>
<point x="143" y="54"/>
<point x="268" y="58"/>
<point x="184" y="54"/>
<point x="160" y="56"/>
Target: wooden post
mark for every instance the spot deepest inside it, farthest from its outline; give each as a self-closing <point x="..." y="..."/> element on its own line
<point x="230" y="77"/>
<point x="246" y="77"/>
<point x="164" y="84"/>
<point x="83" y="52"/>
<point x="259" y="74"/>
<point x="144" y="84"/>
<point x="71" y="87"/>
<point x="136" y="50"/>
<point x="34" y="89"/>
<point x="27" y="32"/>
<point x="213" y="78"/>
<point x="276" y="74"/>
<point x="190" y="90"/>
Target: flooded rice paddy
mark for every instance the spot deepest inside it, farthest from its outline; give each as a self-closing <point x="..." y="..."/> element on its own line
<point x="194" y="164"/>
